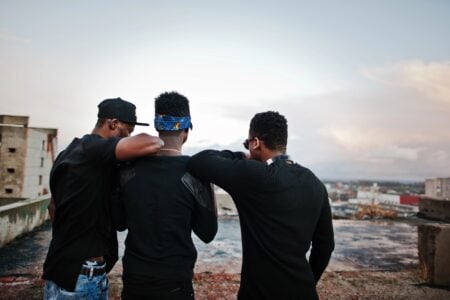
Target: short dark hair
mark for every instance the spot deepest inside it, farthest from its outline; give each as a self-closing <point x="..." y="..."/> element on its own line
<point x="270" y="127"/>
<point x="172" y="104"/>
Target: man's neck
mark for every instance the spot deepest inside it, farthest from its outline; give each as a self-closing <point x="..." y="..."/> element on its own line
<point x="173" y="145"/>
<point x="265" y="156"/>
<point x="101" y="132"/>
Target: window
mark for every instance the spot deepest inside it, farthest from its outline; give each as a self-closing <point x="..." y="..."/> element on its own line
<point x="11" y="170"/>
<point x="43" y="144"/>
<point x="8" y="191"/>
<point x="12" y="150"/>
<point x="42" y="162"/>
<point x="40" y="179"/>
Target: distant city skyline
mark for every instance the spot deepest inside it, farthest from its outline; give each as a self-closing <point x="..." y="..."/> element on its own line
<point x="365" y="86"/>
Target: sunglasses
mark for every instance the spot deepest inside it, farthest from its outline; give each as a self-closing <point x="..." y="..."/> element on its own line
<point x="247" y="142"/>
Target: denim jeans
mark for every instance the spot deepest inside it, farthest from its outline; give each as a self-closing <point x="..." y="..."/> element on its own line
<point x="87" y="288"/>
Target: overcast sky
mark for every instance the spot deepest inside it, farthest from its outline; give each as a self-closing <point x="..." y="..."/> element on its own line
<point x="365" y="85"/>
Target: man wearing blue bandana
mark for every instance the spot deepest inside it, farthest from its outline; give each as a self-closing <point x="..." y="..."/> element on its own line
<point x="161" y="205"/>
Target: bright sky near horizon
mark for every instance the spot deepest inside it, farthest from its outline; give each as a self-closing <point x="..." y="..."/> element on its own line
<point x="365" y="85"/>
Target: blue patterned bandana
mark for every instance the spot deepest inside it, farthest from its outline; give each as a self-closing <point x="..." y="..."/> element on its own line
<point x="170" y="123"/>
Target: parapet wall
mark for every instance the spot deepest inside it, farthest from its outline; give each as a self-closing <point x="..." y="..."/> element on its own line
<point x="22" y="217"/>
<point x="434" y="253"/>
<point x="436" y="209"/>
<point x="434" y="241"/>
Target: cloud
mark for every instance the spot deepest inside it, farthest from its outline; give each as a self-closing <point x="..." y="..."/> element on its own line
<point x="7" y="36"/>
<point x="354" y="139"/>
<point x="387" y="130"/>
<point x="390" y="153"/>
<point x="432" y="80"/>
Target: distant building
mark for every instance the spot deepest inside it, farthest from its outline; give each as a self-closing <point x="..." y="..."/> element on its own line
<point x="438" y="188"/>
<point x="26" y="157"/>
<point x="373" y="195"/>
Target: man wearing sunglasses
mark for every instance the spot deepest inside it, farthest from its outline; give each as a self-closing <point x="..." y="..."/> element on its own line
<point x="84" y="244"/>
<point x="283" y="211"/>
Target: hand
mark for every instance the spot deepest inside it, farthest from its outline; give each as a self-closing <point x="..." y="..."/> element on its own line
<point x="51" y="209"/>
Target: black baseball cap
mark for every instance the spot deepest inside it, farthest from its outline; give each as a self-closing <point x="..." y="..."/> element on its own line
<point x="119" y="109"/>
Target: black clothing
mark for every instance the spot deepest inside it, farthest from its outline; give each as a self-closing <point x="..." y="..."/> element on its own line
<point x="81" y="183"/>
<point x="160" y="214"/>
<point x="143" y="287"/>
<point x="282" y="208"/>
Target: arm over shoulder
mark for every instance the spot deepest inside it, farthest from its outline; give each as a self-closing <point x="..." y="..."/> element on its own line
<point x="136" y="146"/>
<point x="226" y="169"/>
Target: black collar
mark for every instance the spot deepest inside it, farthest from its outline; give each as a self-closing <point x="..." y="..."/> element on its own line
<point x="282" y="157"/>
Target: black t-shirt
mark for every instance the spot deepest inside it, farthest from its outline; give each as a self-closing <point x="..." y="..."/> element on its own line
<point x="160" y="214"/>
<point x="81" y="181"/>
<point x="283" y="209"/>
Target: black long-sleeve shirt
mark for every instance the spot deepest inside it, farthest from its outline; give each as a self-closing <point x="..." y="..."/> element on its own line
<point x="283" y="210"/>
<point x="160" y="212"/>
<point x="81" y="181"/>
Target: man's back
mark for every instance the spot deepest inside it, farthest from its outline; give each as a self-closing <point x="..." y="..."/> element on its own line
<point x="160" y="214"/>
<point x="278" y="222"/>
<point x="83" y="248"/>
<point x="81" y="183"/>
<point x="282" y="208"/>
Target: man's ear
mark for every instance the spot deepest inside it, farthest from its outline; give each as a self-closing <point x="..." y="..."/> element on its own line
<point x="112" y="124"/>
<point x="185" y="134"/>
<point x="257" y="143"/>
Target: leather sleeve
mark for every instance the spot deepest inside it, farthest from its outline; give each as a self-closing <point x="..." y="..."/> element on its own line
<point x="204" y="221"/>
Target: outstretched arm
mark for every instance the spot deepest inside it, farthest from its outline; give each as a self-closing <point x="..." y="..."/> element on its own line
<point x="136" y="146"/>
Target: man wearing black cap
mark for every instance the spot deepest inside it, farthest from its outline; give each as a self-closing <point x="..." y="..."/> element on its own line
<point x="84" y="244"/>
<point x="163" y="205"/>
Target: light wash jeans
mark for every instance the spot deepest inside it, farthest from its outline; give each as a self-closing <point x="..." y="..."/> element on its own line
<point x="87" y="288"/>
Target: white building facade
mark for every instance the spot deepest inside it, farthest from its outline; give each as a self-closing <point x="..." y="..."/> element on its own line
<point x="438" y="188"/>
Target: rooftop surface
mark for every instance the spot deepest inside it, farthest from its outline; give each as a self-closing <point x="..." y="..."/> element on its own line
<point x="372" y="260"/>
